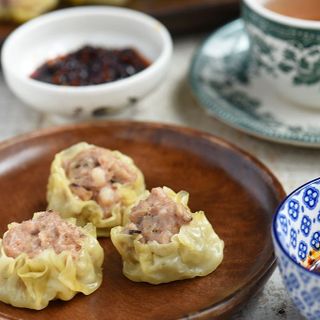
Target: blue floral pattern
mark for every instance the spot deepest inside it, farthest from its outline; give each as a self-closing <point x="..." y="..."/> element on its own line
<point x="293" y="237"/>
<point x="315" y="241"/>
<point x="298" y="303"/>
<point x="292" y="282"/>
<point x="304" y="277"/>
<point x="284" y="224"/>
<point x="316" y="292"/>
<point x="307" y="298"/>
<point x="310" y="197"/>
<point x="293" y="209"/>
<point x="296" y="231"/>
<point x="302" y="252"/>
<point x="305" y="225"/>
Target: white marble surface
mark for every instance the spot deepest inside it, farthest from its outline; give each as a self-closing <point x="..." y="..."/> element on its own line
<point x="173" y="103"/>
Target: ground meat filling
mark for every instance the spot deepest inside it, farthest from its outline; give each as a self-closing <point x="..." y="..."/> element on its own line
<point x="45" y="231"/>
<point x="158" y="217"/>
<point x="95" y="174"/>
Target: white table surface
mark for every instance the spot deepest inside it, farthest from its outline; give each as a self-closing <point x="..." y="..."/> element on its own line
<point x="173" y="103"/>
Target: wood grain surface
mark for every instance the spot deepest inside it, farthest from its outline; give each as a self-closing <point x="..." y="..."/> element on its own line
<point x="238" y="194"/>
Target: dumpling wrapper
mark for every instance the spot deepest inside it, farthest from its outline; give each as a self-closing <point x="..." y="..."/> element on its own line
<point x="33" y="282"/>
<point x="23" y="10"/>
<point x="60" y="197"/>
<point x="195" y="251"/>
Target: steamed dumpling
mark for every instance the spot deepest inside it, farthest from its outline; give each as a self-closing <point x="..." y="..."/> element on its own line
<point x="23" y="10"/>
<point x="4" y="12"/>
<point x="48" y="258"/>
<point x="164" y="241"/>
<point x="93" y="184"/>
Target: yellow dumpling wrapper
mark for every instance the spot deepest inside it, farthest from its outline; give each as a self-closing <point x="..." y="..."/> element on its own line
<point x="195" y="251"/>
<point x="60" y="198"/>
<point x="33" y="282"/>
<point x="23" y="10"/>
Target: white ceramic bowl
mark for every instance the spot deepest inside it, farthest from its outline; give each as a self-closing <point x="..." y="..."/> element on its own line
<point x="62" y="31"/>
<point x="296" y="231"/>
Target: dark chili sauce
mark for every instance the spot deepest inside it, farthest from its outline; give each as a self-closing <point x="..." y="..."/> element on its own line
<point x="91" y="65"/>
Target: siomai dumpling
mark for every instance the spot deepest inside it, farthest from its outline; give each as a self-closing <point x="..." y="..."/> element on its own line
<point x="94" y="184"/>
<point x="23" y="10"/>
<point x="164" y="241"/>
<point x="48" y="258"/>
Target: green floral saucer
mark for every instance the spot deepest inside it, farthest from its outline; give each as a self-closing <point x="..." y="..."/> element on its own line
<point x="230" y="89"/>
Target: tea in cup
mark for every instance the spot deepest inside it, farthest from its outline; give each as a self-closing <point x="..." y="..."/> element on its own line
<point x="285" y="46"/>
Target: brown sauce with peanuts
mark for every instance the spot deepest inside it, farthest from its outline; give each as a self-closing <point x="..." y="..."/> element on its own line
<point x="91" y="66"/>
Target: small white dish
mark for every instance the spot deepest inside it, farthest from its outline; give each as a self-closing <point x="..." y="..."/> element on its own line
<point x="66" y="30"/>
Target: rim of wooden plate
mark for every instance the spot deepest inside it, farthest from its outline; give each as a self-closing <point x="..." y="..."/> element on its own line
<point x="227" y="306"/>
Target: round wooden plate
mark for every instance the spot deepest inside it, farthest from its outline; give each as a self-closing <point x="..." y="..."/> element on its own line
<point x="238" y="194"/>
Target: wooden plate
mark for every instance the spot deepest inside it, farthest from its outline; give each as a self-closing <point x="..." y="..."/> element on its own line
<point x="238" y="194"/>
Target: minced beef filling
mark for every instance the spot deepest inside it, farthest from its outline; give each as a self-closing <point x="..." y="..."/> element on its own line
<point x="93" y="174"/>
<point x="158" y="217"/>
<point x="46" y="231"/>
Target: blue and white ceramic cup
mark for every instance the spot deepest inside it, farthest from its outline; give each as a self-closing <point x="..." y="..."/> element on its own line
<point x="296" y="231"/>
<point x="286" y="52"/>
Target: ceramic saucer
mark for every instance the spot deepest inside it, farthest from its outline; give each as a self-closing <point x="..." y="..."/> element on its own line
<point x="231" y="89"/>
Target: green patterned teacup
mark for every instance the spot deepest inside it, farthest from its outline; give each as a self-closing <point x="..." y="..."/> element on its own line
<point x="286" y="52"/>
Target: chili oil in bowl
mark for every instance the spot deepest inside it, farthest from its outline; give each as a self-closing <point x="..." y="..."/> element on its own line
<point x="86" y="61"/>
